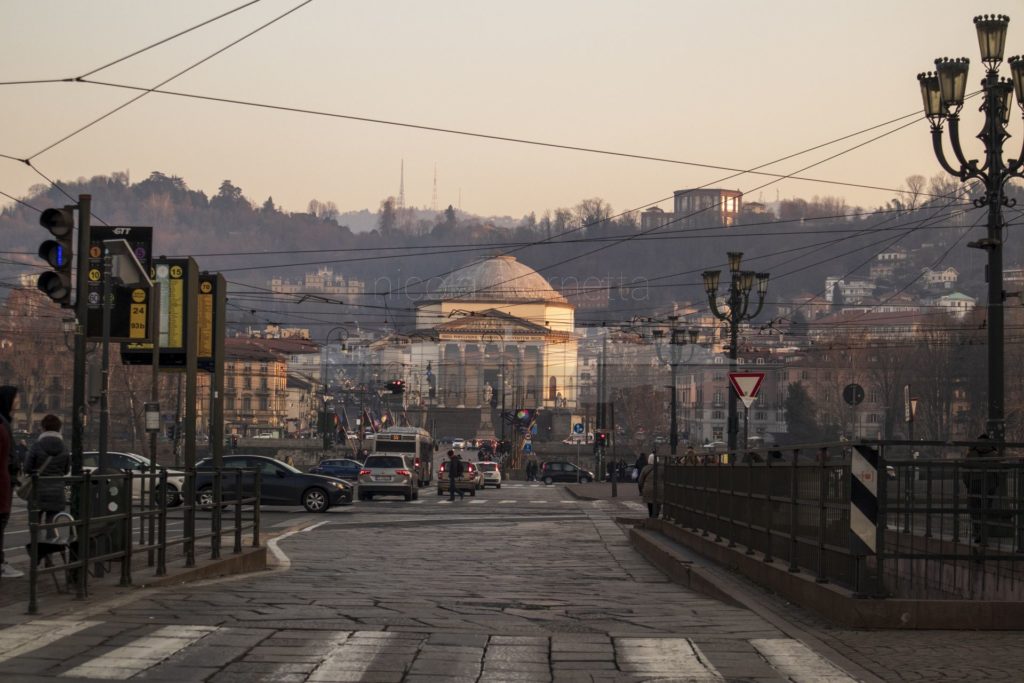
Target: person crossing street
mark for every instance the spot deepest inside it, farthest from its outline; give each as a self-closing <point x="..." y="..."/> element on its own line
<point x="454" y="472"/>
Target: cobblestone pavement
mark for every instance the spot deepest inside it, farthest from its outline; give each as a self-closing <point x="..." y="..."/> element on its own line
<point x="523" y="584"/>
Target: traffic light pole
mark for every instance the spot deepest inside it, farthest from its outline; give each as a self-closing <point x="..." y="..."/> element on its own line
<point x="81" y="313"/>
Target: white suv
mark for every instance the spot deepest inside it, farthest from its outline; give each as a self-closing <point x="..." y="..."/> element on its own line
<point x="393" y="473"/>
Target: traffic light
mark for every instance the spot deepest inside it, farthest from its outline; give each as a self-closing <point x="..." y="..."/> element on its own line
<point x="600" y="440"/>
<point x="58" y="254"/>
<point x="397" y="386"/>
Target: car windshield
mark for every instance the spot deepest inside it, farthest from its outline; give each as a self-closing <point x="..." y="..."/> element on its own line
<point x="390" y="461"/>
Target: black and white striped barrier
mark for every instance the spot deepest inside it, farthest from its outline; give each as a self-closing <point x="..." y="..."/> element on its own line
<point x="864" y="501"/>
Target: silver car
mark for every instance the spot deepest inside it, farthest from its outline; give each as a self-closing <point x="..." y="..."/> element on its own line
<point x="391" y="474"/>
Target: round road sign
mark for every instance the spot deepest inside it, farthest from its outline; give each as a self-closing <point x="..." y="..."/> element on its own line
<point x="853" y="394"/>
<point x="577" y="428"/>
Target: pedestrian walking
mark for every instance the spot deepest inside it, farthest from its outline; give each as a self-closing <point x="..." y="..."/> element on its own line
<point x="638" y="466"/>
<point x="7" y="479"/>
<point x="49" y="457"/>
<point x="982" y="482"/>
<point x="651" y="488"/>
<point x="454" y="472"/>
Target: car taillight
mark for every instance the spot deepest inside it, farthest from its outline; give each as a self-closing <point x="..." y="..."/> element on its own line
<point x="403" y="473"/>
<point x="363" y="471"/>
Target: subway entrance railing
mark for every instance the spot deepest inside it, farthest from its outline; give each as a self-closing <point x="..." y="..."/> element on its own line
<point x="918" y="519"/>
<point x="127" y="519"/>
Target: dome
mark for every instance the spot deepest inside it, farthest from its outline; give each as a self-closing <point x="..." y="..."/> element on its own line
<point x="500" y="279"/>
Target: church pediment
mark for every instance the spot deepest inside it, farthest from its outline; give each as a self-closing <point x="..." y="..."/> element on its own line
<point x="489" y="323"/>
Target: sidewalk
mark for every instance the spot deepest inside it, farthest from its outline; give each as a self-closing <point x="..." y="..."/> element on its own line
<point x="602" y="490"/>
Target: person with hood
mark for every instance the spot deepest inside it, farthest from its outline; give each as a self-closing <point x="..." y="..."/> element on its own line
<point x="7" y="480"/>
<point x="651" y="489"/>
<point x="49" y="457"/>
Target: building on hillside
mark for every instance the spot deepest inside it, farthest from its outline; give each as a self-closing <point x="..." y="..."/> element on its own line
<point x="852" y="290"/>
<point x="956" y="304"/>
<point x="322" y="281"/>
<point x="895" y="254"/>
<point x="696" y="208"/>
<point x="940" y="279"/>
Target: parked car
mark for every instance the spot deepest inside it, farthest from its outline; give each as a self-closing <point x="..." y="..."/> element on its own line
<point x="550" y="472"/>
<point x="137" y="464"/>
<point x="391" y="474"/>
<point x="341" y="468"/>
<point x="280" y="484"/>
<point x="468" y="481"/>
<point x="458" y="443"/>
<point x="491" y="473"/>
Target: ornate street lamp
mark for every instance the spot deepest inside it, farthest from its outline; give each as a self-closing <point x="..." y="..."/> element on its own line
<point x="673" y="357"/>
<point x="943" y="94"/>
<point x="738" y="302"/>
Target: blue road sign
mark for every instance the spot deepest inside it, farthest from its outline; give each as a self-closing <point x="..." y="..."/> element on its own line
<point x="527" y="447"/>
<point x="577" y="428"/>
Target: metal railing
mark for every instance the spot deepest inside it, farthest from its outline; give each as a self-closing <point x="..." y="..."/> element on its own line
<point x="112" y="507"/>
<point x="947" y="526"/>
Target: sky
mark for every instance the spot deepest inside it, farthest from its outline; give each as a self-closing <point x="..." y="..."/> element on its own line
<point x="731" y="84"/>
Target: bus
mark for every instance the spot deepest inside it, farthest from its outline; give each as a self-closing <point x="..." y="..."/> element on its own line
<point x="411" y="440"/>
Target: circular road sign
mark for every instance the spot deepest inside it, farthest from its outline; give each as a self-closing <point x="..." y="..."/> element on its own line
<point x="527" y="447"/>
<point x="577" y="428"/>
<point x="853" y="394"/>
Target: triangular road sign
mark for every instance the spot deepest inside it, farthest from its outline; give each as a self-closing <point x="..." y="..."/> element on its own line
<point x="746" y="385"/>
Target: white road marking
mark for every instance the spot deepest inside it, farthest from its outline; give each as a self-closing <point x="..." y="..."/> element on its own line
<point x="140" y="654"/>
<point x="798" y="662"/>
<point x="350" y="659"/>
<point x="24" y="638"/>
<point x="477" y="502"/>
<point x="507" y="502"/>
<point x="674" y="657"/>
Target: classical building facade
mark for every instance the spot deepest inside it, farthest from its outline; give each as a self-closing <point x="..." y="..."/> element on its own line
<point x="494" y="330"/>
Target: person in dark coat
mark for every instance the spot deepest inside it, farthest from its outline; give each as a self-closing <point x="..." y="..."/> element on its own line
<point x="981" y="479"/>
<point x="454" y="472"/>
<point x="50" y="444"/>
<point x="7" y="481"/>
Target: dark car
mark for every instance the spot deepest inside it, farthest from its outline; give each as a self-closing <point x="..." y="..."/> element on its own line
<point x="340" y="468"/>
<point x="280" y="484"/>
<point x="550" y="472"/>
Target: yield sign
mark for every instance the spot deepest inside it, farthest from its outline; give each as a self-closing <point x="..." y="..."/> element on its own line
<point x="746" y="385"/>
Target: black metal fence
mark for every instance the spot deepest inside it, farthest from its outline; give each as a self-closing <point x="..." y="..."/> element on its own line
<point x="135" y="520"/>
<point x="948" y="526"/>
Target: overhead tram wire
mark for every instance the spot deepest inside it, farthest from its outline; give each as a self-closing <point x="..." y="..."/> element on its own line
<point x="630" y="237"/>
<point x="502" y="138"/>
<point x="28" y="160"/>
<point x="147" y="91"/>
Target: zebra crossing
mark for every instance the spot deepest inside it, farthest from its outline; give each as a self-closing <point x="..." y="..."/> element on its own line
<point x="440" y="500"/>
<point x="335" y="656"/>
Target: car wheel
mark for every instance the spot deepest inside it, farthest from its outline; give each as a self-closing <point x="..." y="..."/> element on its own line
<point x="173" y="499"/>
<point x="204" y="497"/>
<point x="407" y="495"/>
<point x="584" y="480"/>
<point x="549" y="481"/>
<point x="315" y="500"/>
<point x="472" y="491"/>
<point x="498" y="486"/>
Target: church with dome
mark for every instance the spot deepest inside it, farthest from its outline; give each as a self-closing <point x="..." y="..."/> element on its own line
<point x="494" y="333"/>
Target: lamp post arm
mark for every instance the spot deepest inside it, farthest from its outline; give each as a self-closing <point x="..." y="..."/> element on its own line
<point x="940" y="154"/>
<point x="760" y="306"/>
<point x="1015" y="167"/>
<point x="968" y="169"/>
<point x="713" y="305"/>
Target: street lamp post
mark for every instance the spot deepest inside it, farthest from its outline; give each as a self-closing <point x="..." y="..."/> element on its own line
<point x="738" y="302"/>
<point x="673" y="357"/>
<point x="943" y="93"/>
<point x="325" y="383"/>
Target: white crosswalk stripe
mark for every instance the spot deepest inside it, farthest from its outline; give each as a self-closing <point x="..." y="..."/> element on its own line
<point x="677" y="658"/>
<point x="25" y="638"/>
<point x="142" y="653"/>
<point x="349" y="655"/>
<point x="798" y="662"/>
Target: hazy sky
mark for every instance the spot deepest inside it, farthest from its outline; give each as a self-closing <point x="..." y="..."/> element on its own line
<point x="734" y="84"/>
